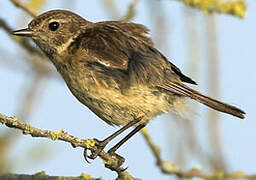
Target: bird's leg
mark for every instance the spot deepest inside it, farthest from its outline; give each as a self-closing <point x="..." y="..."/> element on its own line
<point x="128" y="136"/>
<point x="120" y="143"/>
<point x="101" y="144"/>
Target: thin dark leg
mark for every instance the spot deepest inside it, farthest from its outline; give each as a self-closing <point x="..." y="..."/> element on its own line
<point x="120" y="143"/>
<point x="101" y="144"/>
<point x="115" y="134"/>
<point x="128" y="136"/>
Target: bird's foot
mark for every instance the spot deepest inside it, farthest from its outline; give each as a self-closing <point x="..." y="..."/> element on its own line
<point x="116" y="162"/>
<point x="98" y="148"/>
<point x="112" y="160"/>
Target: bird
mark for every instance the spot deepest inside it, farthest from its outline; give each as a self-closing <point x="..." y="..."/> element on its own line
<point x="114" y="69"/>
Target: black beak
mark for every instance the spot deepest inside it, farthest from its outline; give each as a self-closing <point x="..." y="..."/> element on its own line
<point x="23" y="32"/>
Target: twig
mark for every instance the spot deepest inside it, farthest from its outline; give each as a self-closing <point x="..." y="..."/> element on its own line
<point x="131" y="11"/>
<point x="114" y="12"/>
<point x="168" y="168"/>
<point x="24" y="7"/>
<point x="31" y="96"/>
<point x="212" y="52"/>
<point x="235" y="8"/>
<point x="21" y="41"/>
<point x="43" y="176"/>
<point x="194" y="58"/>
<point x="111" y="161"/>
<point x="111" y="8"/>
<point x="5" y="26"/>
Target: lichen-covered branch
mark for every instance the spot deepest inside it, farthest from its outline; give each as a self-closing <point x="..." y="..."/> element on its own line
<point x="110" y="161"/>
<point x="43" y="176"/>
<point x="168" y="168"/>
<point x="236" y="8"/>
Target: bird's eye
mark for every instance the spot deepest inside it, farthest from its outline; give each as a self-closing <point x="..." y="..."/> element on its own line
<point x="53" y="26"/>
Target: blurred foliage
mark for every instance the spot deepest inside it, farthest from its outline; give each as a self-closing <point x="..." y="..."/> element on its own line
<point x="131" y="11"/>
<point x="36" y="5"/>
<point x="235" y="8"/>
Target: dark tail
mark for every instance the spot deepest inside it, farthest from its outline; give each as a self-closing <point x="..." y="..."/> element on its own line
<point x="218" y="105"/>
<point x="182" y="89"/>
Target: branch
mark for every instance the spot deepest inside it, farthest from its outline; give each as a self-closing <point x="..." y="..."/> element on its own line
<point x="110" y="161"/>
<point x="24" y="7"/>
<point x="236" y="8"/>
<point x="213" y="68"/>
<point x="43" y="176"/>
<point x="131" y="11"/>
<point x="21" y="41"/>
<point x="38" y="66"/>
<point x="168" y="168"/>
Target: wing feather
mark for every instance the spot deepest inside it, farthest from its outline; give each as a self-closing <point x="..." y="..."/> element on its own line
<point x="113" y="43"/>
<point x="123" y="45"/>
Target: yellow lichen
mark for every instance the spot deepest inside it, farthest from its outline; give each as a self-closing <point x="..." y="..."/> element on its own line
<point x="238" y="174"/>
<point x="144" y="131"/>
<point x="235" y="8"/>
<point x="28" y="129"/>
<point x="89" y="143"/>
<point x="15" y="121"/>
<point x="168" y="167"/>
<point x="15" y="118"/>
<point x="55" y="135"/>
<point x="84" y="176"/>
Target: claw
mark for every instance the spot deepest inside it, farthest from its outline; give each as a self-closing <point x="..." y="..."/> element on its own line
<point x="124" y="169"/>
<point x="99" y="147"/>
<point x="93" y="155"/>
<point x="86" y="156"/>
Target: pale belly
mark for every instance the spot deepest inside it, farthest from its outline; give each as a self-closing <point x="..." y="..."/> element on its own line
<point x="118" y="108"/>
<point x="115" y="105"/>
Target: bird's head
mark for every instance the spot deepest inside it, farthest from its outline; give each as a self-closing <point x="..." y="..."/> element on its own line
<point x="54" y="31"/>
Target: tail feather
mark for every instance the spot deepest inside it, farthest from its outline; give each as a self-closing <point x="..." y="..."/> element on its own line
<point x="183" y="90"/>
<point x="218" y="105"/>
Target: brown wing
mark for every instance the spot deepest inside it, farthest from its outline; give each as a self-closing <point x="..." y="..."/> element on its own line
<point x="125" y="46"/>
<point x="138" y="31"/>
<point x="112" y="43"/>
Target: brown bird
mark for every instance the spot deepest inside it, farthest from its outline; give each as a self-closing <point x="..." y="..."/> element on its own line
<point x="114" y="69"/>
